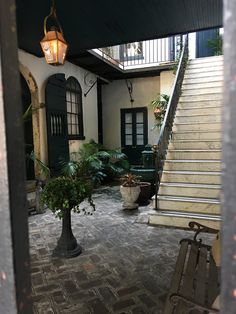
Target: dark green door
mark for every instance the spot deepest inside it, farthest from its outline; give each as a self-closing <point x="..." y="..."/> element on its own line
<point x="203" y="48"/>
<point x="134" y="133"/>
<point x="58" y="146"/>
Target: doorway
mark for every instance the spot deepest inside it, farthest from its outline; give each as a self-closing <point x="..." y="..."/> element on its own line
<point x="134" y="133"/>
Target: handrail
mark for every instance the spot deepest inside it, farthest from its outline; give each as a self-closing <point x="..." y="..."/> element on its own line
<point x="166" y="129"/>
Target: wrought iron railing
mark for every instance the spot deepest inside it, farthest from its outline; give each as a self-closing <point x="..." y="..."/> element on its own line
<point x="166" y="129"/>
<point x="141" y="54"/>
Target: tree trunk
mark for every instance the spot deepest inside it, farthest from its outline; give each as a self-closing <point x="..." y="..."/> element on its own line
<point x="67" y="245"/>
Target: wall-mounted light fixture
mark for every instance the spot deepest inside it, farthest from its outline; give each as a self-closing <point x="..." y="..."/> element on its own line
<point x="53" y="44"/>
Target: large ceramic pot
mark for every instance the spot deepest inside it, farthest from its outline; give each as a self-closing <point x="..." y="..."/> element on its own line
<point x="145" y="193"/>
<point x="130" y="195"/>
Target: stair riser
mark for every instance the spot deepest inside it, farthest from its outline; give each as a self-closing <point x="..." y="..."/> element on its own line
<point x="197" y="127"/>
<point x="180" y="222"/>
<point x="206" y="79"/>
<point x="202" y="86"/>
<point x="197" y="136"/>
<point x="197" y="119"/>
<point x="198" y="111"/>
<point x="191" y="178"/>
<point x="219" y="64"/>
<point x="207" y="60"/>
<point x="194" y="155"/>
<point x="201" y="208"/>
<point x="195" y="145"/>
<point x="189" y="192"/>
<point x="199" y="105"/>
<point x="202" y="75"/>
<point x="192" y="166"/>
<point x="199" y="91"/>
<point x="199" y="97"/>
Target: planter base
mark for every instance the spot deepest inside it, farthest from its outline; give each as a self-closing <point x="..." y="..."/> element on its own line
<point x="67" y="253"/>
<point x="130" y="205"/>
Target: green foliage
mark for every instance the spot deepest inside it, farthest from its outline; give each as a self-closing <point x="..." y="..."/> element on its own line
<point x="93" y="161"/>
<point x="160" y="106"/>
<point x="130" y="180"/>
<point x="216" y="45"/>
<point x="44" y="170"/>
<point x="66" y="193"/>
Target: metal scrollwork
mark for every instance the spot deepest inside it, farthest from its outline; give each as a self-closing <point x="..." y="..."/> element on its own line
<point x="193" y="225"/>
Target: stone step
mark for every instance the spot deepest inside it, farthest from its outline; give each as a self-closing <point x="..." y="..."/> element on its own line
<point x="199" y="70"/>
<point x="190" y="190"/>
<point x="190" y="103"/>
<point x="197" y="135"/>
<point x="202" y="85"/>
<point x="180" y="127"/>
<point x="197" y="75"/>
<point x="205" y="79"/>
<point x="181" y="220"/>
<point x="192" y="165"/>
<point x="194" y="144"/>
<point x="192" y="111"/>
<point x="197" y="118"/>
<point x="194" y="154"/>
<point x="205" y="65"/>
<point x="206" y="59"/>
<point x="190" y="204"/>
<point x="198" y="177"/>
<point x="201" y="97"/>
<point x="202" y="91"/>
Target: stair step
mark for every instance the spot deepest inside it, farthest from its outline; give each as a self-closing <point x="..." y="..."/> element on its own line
<point x="197" y="205"/>
<point x="209" y="70"/>
<point x="205" y="79"/>
<point x="202" y="85"/>
<point x="206" y="59"/>
<point x="189" y="75"/>
<point x="198" y="111"/>
<point x="194" y="154"/>
<point x="181" y="220"/>
<point x="191" y="103"/>
<point x="199" y="177"/>
<point x="202" y="91"/>
<point x="198" y="118"/>
<point x="190" y="190"/>
<point x="201" y="97"/>
<point x="196" y="135"/>
<point x="194" y="144"/>
<point x="216" y="64"/>
<point x="192" y="165"/>
<point x="216" y="126"/>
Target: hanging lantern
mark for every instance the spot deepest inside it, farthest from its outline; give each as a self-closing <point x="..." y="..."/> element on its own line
<point x="53" y="44"/>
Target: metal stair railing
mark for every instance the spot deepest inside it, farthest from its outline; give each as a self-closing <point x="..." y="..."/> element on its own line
<point x="166" y="128"/>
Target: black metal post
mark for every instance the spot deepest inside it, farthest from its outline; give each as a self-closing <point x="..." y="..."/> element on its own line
<point x="228" y="275"/>
<point x="14" y="248"/>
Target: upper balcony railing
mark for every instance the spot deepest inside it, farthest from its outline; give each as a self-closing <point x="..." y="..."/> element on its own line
<point x="143" y="54"/>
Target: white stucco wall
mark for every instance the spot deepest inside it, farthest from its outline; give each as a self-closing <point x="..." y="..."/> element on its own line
<point x="41" y="71"/>
<point x="166" y="82"/>
<point x="116" y="97"/>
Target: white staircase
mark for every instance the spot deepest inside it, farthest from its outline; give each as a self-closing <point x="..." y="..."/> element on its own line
<point x="191" y="178"/>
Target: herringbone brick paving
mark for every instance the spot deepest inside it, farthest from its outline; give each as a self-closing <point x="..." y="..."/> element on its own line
<point x="126" y="266"/>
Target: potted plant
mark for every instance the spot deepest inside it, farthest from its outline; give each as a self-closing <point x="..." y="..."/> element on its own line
<point x="61" y="195"/>
<point x="130" y="190"/>
<point x="160" y="105"/>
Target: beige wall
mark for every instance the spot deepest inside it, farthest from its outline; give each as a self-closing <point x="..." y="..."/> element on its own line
<point x="41" y="71"/>
<point x="116" y="97"/>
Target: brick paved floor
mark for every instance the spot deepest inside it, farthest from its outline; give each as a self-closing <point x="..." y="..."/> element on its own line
<point x="125" y="267"/>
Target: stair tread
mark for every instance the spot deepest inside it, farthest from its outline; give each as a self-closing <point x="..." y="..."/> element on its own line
<point x="191" y="185"/>
<point x="198" y="115"/>
<point x="195" y="140"/>
<point x="196" y="131"/>
<point x="193" y="160"/>
<point x="187" y="215"/>
<point x="194" y="150"/>
<point x="192" y="172"/>
<point x="191" y="123"/>
<point x="188" y="199"/>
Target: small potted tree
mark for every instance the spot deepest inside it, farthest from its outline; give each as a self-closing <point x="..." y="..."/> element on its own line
<point x="61" y="195"/>
<point x="130" y="190"/>
<point x="160" y="105"/>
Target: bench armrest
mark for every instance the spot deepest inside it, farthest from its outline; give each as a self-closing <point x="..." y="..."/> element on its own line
<point x="198" y="228"/>
<point x="176" y="298"/>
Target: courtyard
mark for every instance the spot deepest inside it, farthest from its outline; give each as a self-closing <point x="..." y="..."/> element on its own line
<point x="125" y="267"/>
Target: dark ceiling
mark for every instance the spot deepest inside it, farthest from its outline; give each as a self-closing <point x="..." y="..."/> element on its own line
<point x="100" y="23"/>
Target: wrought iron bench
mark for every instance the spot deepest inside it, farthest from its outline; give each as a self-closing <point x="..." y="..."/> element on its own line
<point x="195" y="283"/>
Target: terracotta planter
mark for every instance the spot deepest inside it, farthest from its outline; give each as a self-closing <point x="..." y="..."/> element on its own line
<point x="130" y="195"/>
<point x="145" y="193"/>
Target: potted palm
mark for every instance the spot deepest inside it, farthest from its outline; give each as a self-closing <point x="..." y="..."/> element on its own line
<point x="62" y="195"/>
<point x="160" y="105"/>
<point x="130" y="190"/>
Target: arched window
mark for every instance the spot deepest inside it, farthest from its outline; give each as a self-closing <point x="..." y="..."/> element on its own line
<point x="74" y="109"/>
